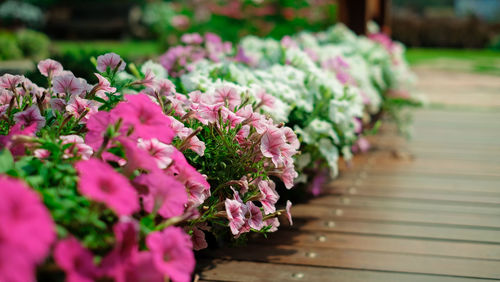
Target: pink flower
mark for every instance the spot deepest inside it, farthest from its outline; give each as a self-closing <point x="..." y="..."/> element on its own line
<point x="103" y="86"/>
<point x="271" y="143"/>
<point x="148" y="79"/>
<point x="82" y="150"/>
<point x="198" y="239"/>
<point x="137" y="158"/>
<point x="288" y="175"/>
<point x="124" y="255"/>
<point x="254" y="216"/>
<point x="161" y="152"/>
<point x="50" y="68"/>
<point x="192" y="38"/>
<point x="142" y="269"/>
<point x="41" y="153"/>
<point x="317" y="183"/>
<point x="77" y="106"/>
<point x="172" y="253"/>
<point x="58" y="104"/>
<point x="75" y="260"/>
<point x="288" y="214"/>
<point x="145" y="117"/>
<point x="269" y="197"/>
<point x="96" y="128"/>
<point x="291" y="137"/>
<point x="197" y="146"/>
<point x="266" y="99"/>
<point x="17" y="148"/>
<point x="30" y="116"/>
<point x="229" y="96"/>
<point x="208" y="113"/>
<point x="22" y="214"/>
<point x="165" y="194"/>
<point x="228" y="115"/>
<point x="9" y="81"/>
<point x="110" y="60"/>
<point x="273" y="222"/>
<point x="101" y="183"/>
<point x="164" y="87"/>
<point x="362" y="145"/>
<point x="236" y="214"/>
<point x="68" y="84"/>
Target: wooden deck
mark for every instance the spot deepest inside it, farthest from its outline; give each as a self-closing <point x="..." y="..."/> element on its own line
<point x="424" y="210"/>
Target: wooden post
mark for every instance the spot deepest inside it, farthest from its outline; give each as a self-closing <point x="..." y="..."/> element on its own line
<point x="356" y="13"/>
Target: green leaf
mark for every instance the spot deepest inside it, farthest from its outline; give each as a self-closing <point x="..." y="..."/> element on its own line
<point x="6" y="161"/>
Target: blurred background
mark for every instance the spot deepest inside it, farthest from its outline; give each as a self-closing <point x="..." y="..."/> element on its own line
<point x="466" y="32"/>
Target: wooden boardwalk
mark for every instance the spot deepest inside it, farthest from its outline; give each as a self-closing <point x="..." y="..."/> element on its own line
<point x="424" y="210"/>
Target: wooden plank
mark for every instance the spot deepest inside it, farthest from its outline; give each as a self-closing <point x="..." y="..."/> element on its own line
<point x="393" y="229"/>
<point x="368" y="260"/>
<point x="383" y="244"/>
<point x="245" y="271"/>
<point x="406" y="194"/>
<point x="397" y="204"/>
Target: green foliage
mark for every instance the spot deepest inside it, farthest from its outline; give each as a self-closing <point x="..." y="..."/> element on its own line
<point x="33" y="44"/>
<point x="8" y="47"/>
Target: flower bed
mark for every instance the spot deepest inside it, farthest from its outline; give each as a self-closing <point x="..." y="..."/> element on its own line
<point x="123" y="178"/>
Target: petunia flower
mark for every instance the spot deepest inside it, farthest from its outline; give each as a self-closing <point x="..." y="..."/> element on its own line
<point x="50" y="68"/>
<point x="76" y="106"/>
<point x="83" y="150"/>
<point x="235" y="214"/>
<point x="269" y="197"/>
<point x="9" y="81"/>
<point x="272" y="141"/>
<point x="161" y="152"/>
<point x="30" y="116"/>
<point x="22" y="214"/>
<point x="68" y="84"/>
<point x="165" y="194"/>
<point x="287" y="212"/>
<point x="192" y="38"/>
<point x="227" y="95"/>
<point x="75" y="260"/>
<point x="101" y="183"/>
<point x="103" y="87"/>
<point x="110" y="60"/>
<point x="254" y="216"/>
<point x="172" y="253"/>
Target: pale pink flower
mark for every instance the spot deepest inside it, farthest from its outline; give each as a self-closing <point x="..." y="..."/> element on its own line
<point x="291" y="137"/>
<point x="208" y="113"/>
<point x="192" y="38"/>
<point x="165" y="195"/>
<point x="103" y="86"/>
<point x="273" y="222"/>
<point x="227" y="95"/>
<point x="164" y="87"/>
<point x="41" y="153"/>
<point x="362" y="145"/>
<point x="235" y="214"/>
<point x="254" y="216"/>
<point x="30" y="116"/>
<point x="148" y="80"/>
<point x="180" y="21"/>
<point x="288" y="175"/>
<point x="50" y="68"/>
<point x="228" y="115"/>
<point x="110" y="60"/>
<point x="269" y="197"/>
<point x="266" y="99"/>
<point x="68" y="84"/>
<point x="287" y="212"/>
<point x="22" y="215"/>
<point x="58" y="104"/>
<point x="82" y="150"/>
<point x="172" y="253"/>
<point x="77" y="106"/>
<point x="272" y="141"/>
<point x="196" y="145"/>
<point x="101" y="183"/>
<point x="9" y="81"/>
<point x="242" y="134"/>
<point x="75" y="260"/>
<point x="161" y="152"/>
<point x="288" y="42"/>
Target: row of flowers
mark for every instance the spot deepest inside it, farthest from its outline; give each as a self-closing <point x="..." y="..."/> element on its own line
<point x="124" y="178"/>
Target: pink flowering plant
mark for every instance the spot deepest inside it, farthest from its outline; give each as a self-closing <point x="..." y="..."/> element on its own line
<point x="123" y="186"/>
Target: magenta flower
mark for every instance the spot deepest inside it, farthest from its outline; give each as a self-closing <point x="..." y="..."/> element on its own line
<point x="75" y="260"/>
<point x="269" y="197"/>
<point x="145" y="117"/>
<point x="101" y="183"/>
<point x="9" y="81"/>
<point x="68" y="84"/>
<point x="137" y="158"/>
<point x="124" y="255"/>
<point x="165" y="194"/>
<point x="287" y="210"/>
<point x="236" y="214"/>
<point x="50" y="68"/>
<point x="172" y="253"/>
<point x="254" y="216"/>
<point x="96" y="127"/>
<point x="22" y="214"/>
<point x="110" y="60"/>
<point x="30" y="116"/>
<point x="141" y="269"/>
<point x="271" y="143"/>
<point x="17" y="148"/>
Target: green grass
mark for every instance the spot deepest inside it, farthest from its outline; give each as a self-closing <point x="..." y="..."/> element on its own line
<point x="129" y="49"/>
<point x="481" y="61"/>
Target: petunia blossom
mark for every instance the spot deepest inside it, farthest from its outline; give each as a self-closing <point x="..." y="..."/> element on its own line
<point x="236" y="214"/>
<point x="172" y="253"/>
<point x="9" y="81"/>
<point x="269" y="197"/>
<point x="30" y="116"/>
<point x="161" y="152"/>
<point x="68" y="84"/>
<point x="111" y="60"/>
<point x="254" y="216"/>
<point x="50" y="68"/>
<point x="288" y="213"/>
<point x="165" y="194"/>
<point x="75" y="260"/>
<point x="272" y="141"/>
<point x="101" y="183"/>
